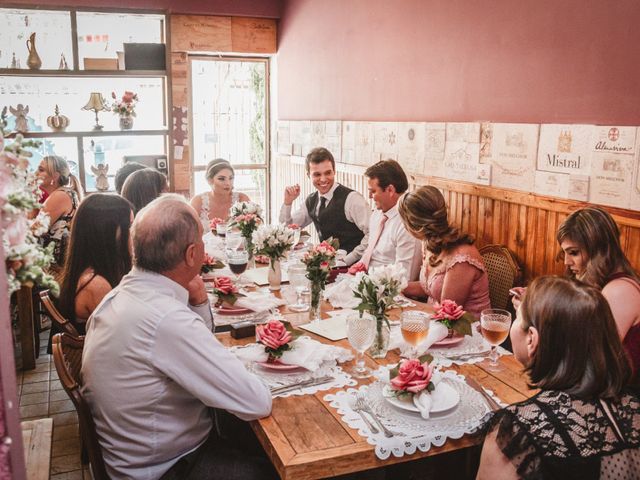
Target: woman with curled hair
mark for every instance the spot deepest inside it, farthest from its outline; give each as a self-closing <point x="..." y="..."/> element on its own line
<point x="585" y="421"/>
<point x="217" y="202"/>
<point x="144" y="186"/>
<point x="453" y="268"/>
<point x="64" y="194"/>
<point x="590" y="243"/>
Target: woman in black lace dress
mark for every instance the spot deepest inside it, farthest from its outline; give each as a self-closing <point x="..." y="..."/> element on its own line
<point x="585" y="422"/>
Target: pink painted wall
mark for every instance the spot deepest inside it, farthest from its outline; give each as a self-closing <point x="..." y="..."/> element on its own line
<point x="241" y="8"/>
<point x="499" y="60"/>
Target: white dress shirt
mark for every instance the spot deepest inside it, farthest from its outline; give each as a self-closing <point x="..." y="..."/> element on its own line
<point x="151" y="368"/>
<point x="356" y="209"/>
<point x="396" y="244"/>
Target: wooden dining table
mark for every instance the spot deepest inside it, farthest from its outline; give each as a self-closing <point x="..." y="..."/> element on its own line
<point x="306" y="439"/>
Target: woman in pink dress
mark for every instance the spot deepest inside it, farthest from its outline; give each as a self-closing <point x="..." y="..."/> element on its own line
<point x="590" y="243"/>
<point x="453" y="268"/>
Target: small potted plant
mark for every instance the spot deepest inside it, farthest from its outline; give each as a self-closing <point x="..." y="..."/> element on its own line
<point x="125" y="108"/>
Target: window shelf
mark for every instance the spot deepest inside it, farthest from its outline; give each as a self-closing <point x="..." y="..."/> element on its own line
<point x="90" y="133"/>
<point x="24" y="72"/>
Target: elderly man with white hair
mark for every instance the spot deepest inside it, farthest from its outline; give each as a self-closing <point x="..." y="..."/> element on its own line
<point x="152" y="367"/>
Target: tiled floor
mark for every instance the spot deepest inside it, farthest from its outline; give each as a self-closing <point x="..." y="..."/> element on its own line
<point x="41" y="395"/>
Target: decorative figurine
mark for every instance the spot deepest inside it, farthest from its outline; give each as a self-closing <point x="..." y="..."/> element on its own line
<point x="57" y="122"/>
<point x="20" y="113"/>
<point x="14" y="62"/>
<point x="100" y="172"/>
<point x="33" y="61"/>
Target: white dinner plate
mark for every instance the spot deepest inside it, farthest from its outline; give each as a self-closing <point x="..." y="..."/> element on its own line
<point x="445" y="398"/>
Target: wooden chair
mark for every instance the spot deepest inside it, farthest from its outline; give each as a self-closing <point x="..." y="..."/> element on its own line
<point x="504" y="274"/>
<point x="67" y="357"/>
<point x="65" y="325"/>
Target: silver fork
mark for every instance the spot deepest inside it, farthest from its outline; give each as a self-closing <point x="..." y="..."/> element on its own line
<point x="362" y="403"/>
<point x="357" y="407"/>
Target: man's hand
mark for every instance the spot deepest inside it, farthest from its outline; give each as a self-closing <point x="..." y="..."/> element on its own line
<point x="197" y="292"/>
<point x="291" y="193"/>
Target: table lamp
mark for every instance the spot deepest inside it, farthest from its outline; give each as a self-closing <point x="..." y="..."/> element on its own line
<point x="97" y="104"/>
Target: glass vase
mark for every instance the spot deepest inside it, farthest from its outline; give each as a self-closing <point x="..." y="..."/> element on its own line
<point x="275" y="274"/>
<point x="380" y="345"/>
<point x="316" y="297"/>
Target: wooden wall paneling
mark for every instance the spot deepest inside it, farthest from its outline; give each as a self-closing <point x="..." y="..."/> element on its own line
<point x="200" y="33"/>
<point x="551" y="243"/>
<point x="253" y="35"/>
<point x="529" y="256"/>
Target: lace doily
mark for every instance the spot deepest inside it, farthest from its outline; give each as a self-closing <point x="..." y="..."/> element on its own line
<point x="274" y="379"/>
<point x="411" y="431"/>
<point x="473" y="349"/>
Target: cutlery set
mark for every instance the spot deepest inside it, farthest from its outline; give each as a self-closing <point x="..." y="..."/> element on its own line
<point x="305" y="383"/>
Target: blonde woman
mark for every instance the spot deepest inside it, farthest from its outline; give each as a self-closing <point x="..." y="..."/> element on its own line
<point x="217" y="202"/>
<point x="453" y="268"/>
<point x="64" y="194"/>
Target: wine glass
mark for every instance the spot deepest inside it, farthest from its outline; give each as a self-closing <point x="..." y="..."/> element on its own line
<point x="361" y="331"/>
<point x="494" y="325"/>
<point x="414" y="326"/>
<point x="298" y="280"/>
<point x="221" y="229"/>
<point x="238" y="260"/>
<point x="234" y="240"/>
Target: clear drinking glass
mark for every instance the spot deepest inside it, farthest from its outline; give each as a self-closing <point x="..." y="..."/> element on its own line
<point x="234" y="240"/>
<point x="494" y="325"/>
<point x="298" y="280"/>
<point x="221" y="230"/>
<point x="361" y="331"/>
<point x="238" y="260"/>
<point x="414" y="326"/>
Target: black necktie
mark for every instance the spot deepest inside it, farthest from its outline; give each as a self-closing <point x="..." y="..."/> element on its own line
<point x="323" y="205"/>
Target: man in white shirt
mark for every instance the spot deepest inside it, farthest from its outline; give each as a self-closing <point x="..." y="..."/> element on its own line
<point x="335" y="210"/>
<point x="389" y="240"/>
<point x="152" y="367"/>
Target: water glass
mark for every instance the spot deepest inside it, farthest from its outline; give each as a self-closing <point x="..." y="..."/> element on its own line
<point x="494" y="325"/>
<point x="221" y="229"/>
<point x="234" y="240"/>
<point x="414" y="325"/>
<point x="361" y="331"/>
<point x="298" y="280"/>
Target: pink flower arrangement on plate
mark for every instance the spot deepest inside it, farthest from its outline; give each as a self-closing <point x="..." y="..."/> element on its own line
<point x="126" y="106"/>
<point x="452" y="316"/>
<point x="412" y="376"/>
<point x="276" y="338"/>
<point x="225" y="290"/>
<point x="210" y="263"/>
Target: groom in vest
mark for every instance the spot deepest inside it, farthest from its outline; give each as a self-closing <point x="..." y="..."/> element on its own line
<point x="335" y="210"/>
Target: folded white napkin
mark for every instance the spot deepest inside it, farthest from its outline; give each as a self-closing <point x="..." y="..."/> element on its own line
<point x="305" y="352"/>
<point x="259" y="301"/>
<point x="437" y="332"/>
<point x="423" y="401"/>
<point x="340" y="293"/>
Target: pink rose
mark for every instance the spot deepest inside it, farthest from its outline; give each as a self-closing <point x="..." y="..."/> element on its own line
<point x="293" y="226"/>
<point x="448" y="310"/>
<point x="357" y="267"/>
<point x="224" y="285"/>
<point x="413" y="376"/>
<point x="273" y="334"/>
<point x="214" y="222"/>
<point x="128" y="97"/>
<point x="324" y="266"/>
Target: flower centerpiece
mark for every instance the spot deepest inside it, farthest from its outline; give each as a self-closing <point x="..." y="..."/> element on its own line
<point x="224" y="290"/>
<point x="125" y="108"/>
<point x="276" y="338"/>
<point x="274" y="241"/>
<point x="415" y="379"/>
<point x="247" y="216"/>
<point x="452" y="316"/>
<point x="26" y="261"/>
<point x="210" y="264"/>
<point x="319" y="260"/>
<point x="376" y="291"/>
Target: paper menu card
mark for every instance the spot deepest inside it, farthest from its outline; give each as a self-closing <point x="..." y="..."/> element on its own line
<point x="334" y="328"/>
<point x="260" y="276"/>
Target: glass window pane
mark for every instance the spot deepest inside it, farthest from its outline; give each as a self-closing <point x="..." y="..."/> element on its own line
<point x="66" y="148"/>
<point x="52" y="40"/>
<point x="102" y="35"/>
<point x="41" y="94"/>
<point x="111" y="150"/>
<point x="229" y="111"/>
<point x="252" y="182"/>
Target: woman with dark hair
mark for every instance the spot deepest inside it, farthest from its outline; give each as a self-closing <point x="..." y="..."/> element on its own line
<point x="454" y="269"/>
<point x="585" y="422"/>
<point x="143" y="186"/>
<point x="217" y="202"/>
<point x="590" y="243"/>
<point x="63" y="195"/>
<point x="99" y="255"/>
